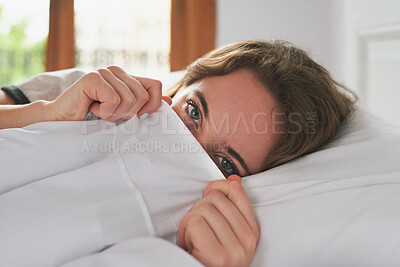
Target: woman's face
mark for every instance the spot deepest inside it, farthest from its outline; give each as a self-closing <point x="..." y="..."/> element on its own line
<point x="232" y="117"/>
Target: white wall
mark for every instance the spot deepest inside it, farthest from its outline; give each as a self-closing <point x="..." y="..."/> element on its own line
<point x="371" y="59"/>
<point x="307" y="23"/>
<point x="363" y="18"/>
<point x="339" y="33"/>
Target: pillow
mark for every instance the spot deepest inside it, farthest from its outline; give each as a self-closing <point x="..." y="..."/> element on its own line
<point x="49" y="85"/>
<point x="338" y="206"/>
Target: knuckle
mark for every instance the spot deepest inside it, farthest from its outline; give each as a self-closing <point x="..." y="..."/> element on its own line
<point x="158" y="84"/>
<point x="194" y="206"/>
<point x="250" y="242"/>
<point x="234" y="186"/>
<point x="210" y="186"/>
<point x="205" y="207"/>
<point x="207" y="189"/>
<point x="216" y="196"/>
<point x="99" y="70"/>
<point x="194" y="220"/>
<point x="92" y="75"/>
<point x="130" y="99"/>
<point x="114" y="68"/>
<point x="115" y="99"/>
<point x="144" y="96"/>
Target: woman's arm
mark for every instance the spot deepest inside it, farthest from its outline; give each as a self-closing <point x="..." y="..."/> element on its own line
<point x="5" y="99"/>
<point x="221" y="229"/>
<point x="15" y="116"/>
<point x="109" y="93"/>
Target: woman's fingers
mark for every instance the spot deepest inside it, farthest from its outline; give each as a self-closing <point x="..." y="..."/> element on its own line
<point x="147" y="92"/>
<point x="127" y="98"/>
<point x="109" y="93"/>
<point x="200" y="236"/>
<point x="236" y="239"/>
<point x="206" y="247"/>
<point x="137" y="89"/>
<point x="154" y="89"/>
<point x="235" y="192"/>
<point x="217" y="222"/>
<point x="167" y="99"/>
<point x="240" y="228"/>
<point x="136" y="95"/>
<point x="104" y="100"/>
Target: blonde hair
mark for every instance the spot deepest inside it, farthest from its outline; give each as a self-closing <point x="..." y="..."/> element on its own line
<point x="301" y="87"/>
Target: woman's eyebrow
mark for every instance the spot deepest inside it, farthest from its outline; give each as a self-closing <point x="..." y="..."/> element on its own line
<point x="236" y="155"/>
<point x="203" y="102"/>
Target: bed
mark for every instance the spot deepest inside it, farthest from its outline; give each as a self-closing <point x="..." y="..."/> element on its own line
<point x="338" y="206"/>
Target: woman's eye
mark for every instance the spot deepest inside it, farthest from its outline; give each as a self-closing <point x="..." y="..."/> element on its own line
<point x="193" y="112"/>
<point x="227" y="165"/>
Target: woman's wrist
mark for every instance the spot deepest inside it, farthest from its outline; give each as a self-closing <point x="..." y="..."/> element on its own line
<point x="43" y="111"/>
<point x="38" y="111"/>
<point x="16" y="116"/>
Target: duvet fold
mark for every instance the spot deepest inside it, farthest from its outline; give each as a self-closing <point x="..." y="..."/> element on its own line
<point x="69" y="189"/>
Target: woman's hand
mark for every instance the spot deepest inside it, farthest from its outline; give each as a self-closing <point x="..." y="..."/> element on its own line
<point x="220" y="229"/>
<point x="109" y="93"/>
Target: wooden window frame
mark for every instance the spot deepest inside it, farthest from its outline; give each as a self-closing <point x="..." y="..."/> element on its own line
<point x="193" y="33"/>
<point x="193" y="30"/>
<point x="60" y="51"/>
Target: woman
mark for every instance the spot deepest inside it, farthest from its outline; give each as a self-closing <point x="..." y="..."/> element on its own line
<point x="249" y="105"/>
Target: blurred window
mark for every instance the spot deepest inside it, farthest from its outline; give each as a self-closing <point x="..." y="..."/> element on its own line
<point x="23" y="35"/>
<point x="134" y="34"/>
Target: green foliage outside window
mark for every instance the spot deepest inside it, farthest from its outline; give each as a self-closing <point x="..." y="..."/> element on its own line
<point x="18" y="58"/>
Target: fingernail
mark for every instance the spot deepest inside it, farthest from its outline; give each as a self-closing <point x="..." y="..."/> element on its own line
<point x="234" y="177"/>
<point x="143" y="116"/>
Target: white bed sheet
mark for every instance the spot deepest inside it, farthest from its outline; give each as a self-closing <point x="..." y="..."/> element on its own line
<point x="339" y="206"/>
<point x="62" y="198"/>
<point x="140" y="251"/>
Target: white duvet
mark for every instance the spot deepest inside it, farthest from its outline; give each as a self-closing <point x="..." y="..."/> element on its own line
<point x="69" y="189"/>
